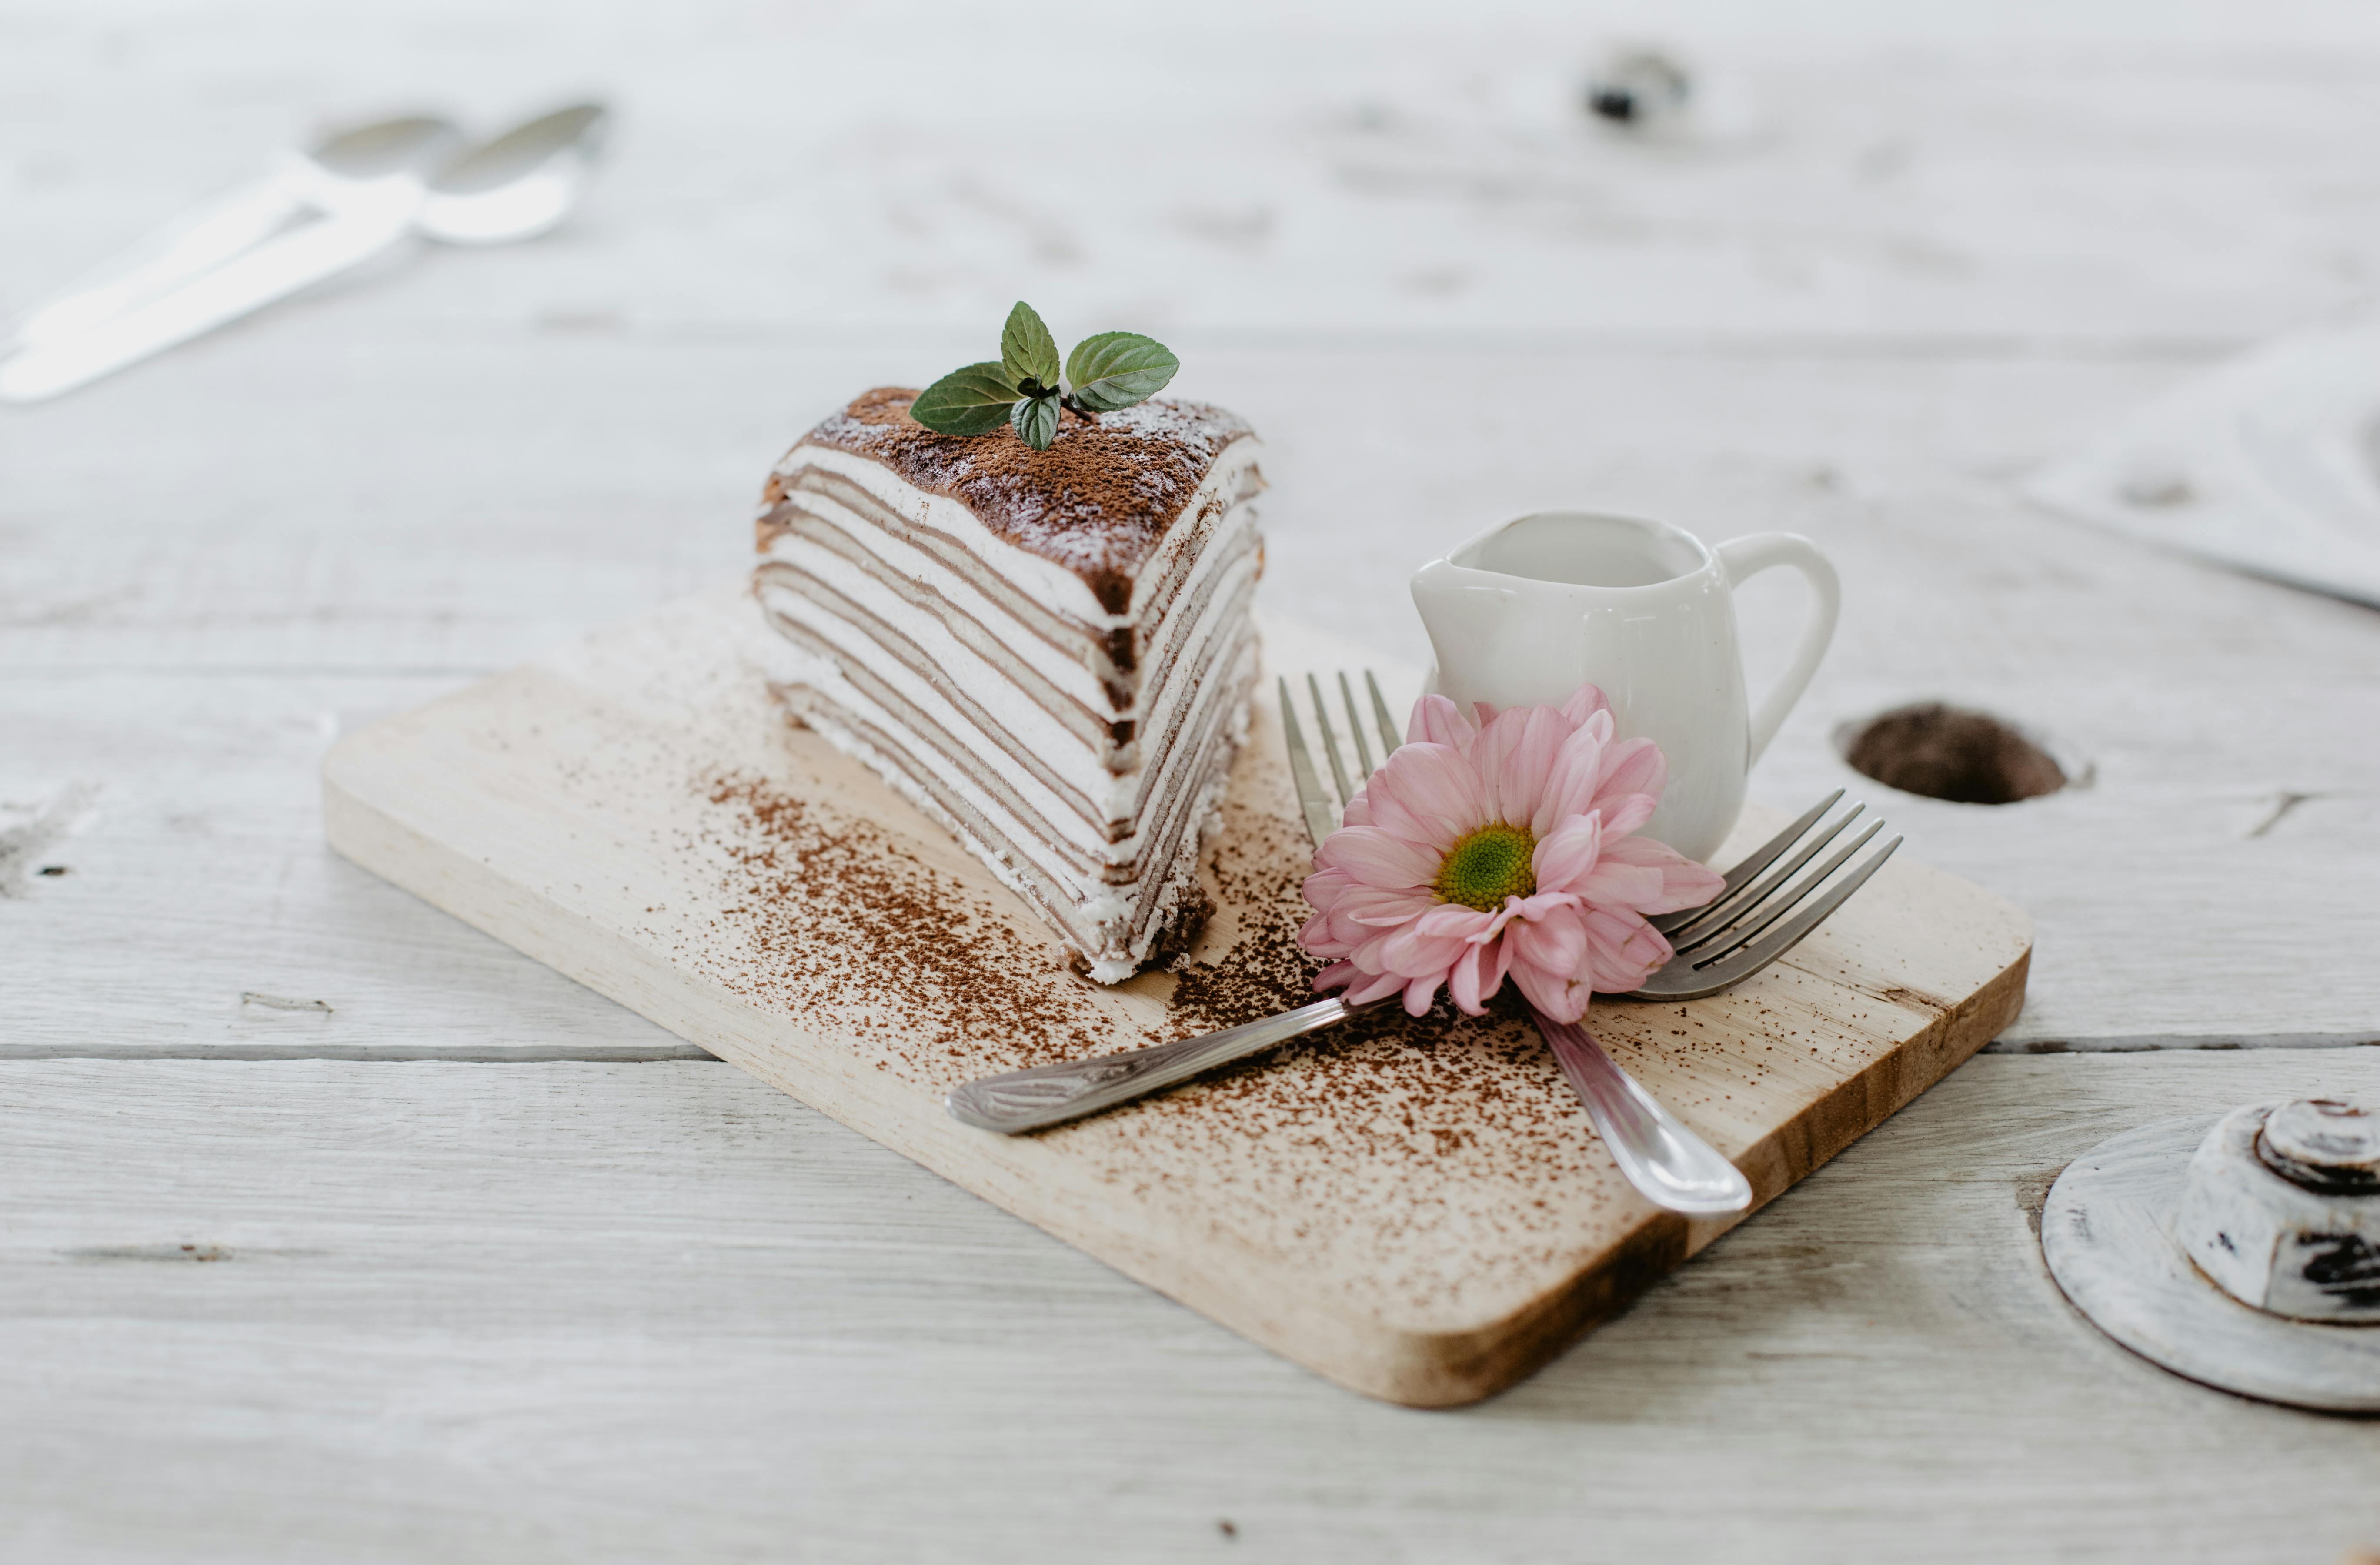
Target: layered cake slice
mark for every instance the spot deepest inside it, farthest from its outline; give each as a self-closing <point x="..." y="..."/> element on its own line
<point x="1048" y="651"/>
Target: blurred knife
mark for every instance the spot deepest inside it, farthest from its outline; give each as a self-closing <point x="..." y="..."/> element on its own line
<point x="516" y="186"/>
<point x="272" y="270"/>
<point x="345" y="169"/>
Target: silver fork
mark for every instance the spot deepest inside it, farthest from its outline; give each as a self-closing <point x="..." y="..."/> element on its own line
<point x="1746" y="927"/>
<point x="1667" y="1162"/>
<point x="1717" y="944"/>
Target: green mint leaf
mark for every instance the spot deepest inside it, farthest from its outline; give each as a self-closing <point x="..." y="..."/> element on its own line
<point x="970" y="401"/>
<point x="1028" y="350"/>
<point x="1117" y="369"/>
<point x="1037" y="421"/>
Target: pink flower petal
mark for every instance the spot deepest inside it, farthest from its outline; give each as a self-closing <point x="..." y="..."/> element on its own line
<point x="1419" y="993"/>
<point x="1622" y="951"/>
<point x="1550" y="962"/>
<point x="1558" y="997"/>
<point x="1476" y="977"/>
<point x="1416" y="955"/>
<point x="1437" y="720"/>
<point x="1585" y="703"/>
<point x="1497" y="960"/>
<point x="1378" y="858"/>
<point x="1418" y="796"/>
<point x="1362" y="988"/>
<point x="1616" y="883"/>
<point x="1685" y="884"/>
<point x="1566" y="856"/>
<point x="1353" y="897"/>
<point x="1535" y="907"/>
<point x="1633" y="765"/>
<point x="1555" y="944"/>
<point x="1434" y="791"/>
<point x="1576" y="773"/>
<point x="1378" y="906"/>
<point x="1325" y="887"/>
<point x="1623" y="812"/>
<point x="1515" y="757"/>
<point x="1334" y="974"/>
<point x="1452" y="920"/>
<point x="1463" y="982"/>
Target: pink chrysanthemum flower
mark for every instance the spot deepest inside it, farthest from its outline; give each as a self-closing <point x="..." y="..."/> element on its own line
<point x="1479" y="853"/>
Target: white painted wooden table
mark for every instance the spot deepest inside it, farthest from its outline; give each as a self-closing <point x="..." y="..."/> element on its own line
<point x="472" y="1264"/>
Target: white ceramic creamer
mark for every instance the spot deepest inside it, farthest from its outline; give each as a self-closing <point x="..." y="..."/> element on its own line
<point x="1525" y="614"/>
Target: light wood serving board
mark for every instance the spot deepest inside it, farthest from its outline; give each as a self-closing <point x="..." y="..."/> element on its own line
<point x="1418" y="1210"/>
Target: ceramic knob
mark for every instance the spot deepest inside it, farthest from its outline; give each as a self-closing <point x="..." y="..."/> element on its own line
<point x="2281" y="1208"/>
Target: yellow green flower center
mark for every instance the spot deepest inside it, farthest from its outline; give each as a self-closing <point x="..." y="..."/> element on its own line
<point x="1487" y="866"/>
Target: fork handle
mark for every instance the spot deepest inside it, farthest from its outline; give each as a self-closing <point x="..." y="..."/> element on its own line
<point x="1051" y="1094"/>
<point x="1669" y="1164"/>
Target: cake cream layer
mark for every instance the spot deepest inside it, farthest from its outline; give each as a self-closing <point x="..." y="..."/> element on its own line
<point x="1049" y="617"/>
<point x="909" y="634"/>
<point x="951" y="737"/>
<point x="1115" y="925"/>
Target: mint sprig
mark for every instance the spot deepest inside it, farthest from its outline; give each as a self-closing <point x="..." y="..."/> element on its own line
<point x="1117" y="369"/>
<point x="1026" y="388"/>
<point x="970" y="401"/>
<point x="1027" y="351"/>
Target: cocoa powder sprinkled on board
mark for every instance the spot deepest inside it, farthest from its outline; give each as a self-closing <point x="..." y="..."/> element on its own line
<point x="1264" y="971"/>
<point x="845" y="926"/>
<point x="840" y="913"/>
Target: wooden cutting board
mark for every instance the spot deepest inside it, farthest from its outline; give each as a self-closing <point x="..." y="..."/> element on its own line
<point x="1417" y="1209"/>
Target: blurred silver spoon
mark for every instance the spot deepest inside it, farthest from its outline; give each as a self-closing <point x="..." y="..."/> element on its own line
<point x="347" y="169"/>
<point x="515" y="186"/>
<point x="519" y="185"/>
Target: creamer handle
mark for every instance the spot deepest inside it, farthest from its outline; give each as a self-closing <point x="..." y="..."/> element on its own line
<point x="1743" y="557"/>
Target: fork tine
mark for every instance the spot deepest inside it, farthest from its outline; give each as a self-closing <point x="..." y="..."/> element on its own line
<point x="1769" y="911"/>
<point x="1355" y="725"/>
<point x="1310" y="800"/>
<point x="1330" y="742"/>
<point x="1714" y="920"/>
<point x="1388" y="739"/>
<point x="1751" y="865"/>
<point x="1749" y="960"/>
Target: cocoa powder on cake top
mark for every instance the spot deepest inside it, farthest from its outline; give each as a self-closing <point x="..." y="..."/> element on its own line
<point x="1095" y="502"/>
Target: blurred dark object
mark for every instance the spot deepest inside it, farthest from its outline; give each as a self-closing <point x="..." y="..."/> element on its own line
<point x="1965" y="757"/>
<point x="1639" y="89"/>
